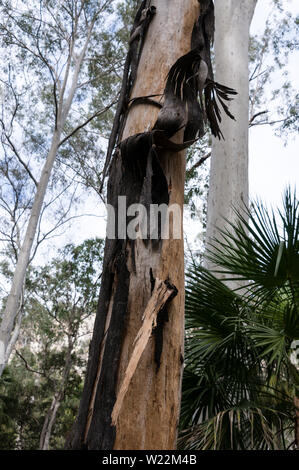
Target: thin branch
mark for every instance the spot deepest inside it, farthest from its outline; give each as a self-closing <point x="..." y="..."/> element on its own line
<point x="47" y="236"/>
<point x="254" y="77"/>
<point x="269" y="123"/>
<point x="256" y="115"/>
<point x="49" y="68"/>
<point x="27" y="365"/>
<point x="80" y="126"/>
<point x="13" y="148"/>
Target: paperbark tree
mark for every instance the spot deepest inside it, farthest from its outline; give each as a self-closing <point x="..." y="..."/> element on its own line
<point x="229" y="163"/>
<point x="131" y="397"/>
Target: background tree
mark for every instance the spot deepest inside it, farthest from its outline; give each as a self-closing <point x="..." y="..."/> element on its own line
<point x="273" y="97"/>
<point x="259" y="73"/>
<point x="45" y="376"/>
<point x="229" y="165"/>
<point x="56" y="62"/>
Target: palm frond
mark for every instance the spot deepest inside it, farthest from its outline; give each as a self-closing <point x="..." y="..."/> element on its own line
<point x="240" y="428"/>
<point x="255" y="250"/>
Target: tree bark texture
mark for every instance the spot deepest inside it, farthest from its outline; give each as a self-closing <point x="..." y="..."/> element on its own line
<point x="229" y="163"/>
<point x="131" y="397"/>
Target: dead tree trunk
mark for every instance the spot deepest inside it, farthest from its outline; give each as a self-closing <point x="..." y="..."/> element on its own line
<point x="131" y="397"/>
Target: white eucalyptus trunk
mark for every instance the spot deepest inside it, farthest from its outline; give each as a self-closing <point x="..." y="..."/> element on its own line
<point x="13" y="303"/>
<point x="229" y="164"/>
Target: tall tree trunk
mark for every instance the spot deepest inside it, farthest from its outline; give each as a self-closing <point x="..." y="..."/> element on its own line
<point x="131" y="397"/>
<point x="13" y="305"/>
<point x="49" y="422"/>
<point x="229" y="164"/>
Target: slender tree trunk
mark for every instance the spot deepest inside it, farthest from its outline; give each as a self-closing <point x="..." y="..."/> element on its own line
<point x="13" y="304"/>
<point x="51" y="415"/>
<point x="49" y="422"/>
<point x="13" y="300"/>
<point x="229" y="163"/>
<point x="131" y="397"/>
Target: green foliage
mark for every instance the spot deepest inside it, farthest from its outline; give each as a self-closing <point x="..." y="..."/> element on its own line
<point x="51" y="354"/>
<point x="196" y="191"/>
<point x="197" y="175"/>
<point x="241" y="372"/>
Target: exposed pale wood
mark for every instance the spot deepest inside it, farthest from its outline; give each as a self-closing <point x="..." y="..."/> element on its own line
<point x="161" y="294"/>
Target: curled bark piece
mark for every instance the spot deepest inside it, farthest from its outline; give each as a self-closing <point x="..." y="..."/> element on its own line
<point x="161" y="141"/>
<point x="191" y="92"/>
<point x="163" y="292"/>
<point x="138" y="145"/>
<point x="145" y="100"/>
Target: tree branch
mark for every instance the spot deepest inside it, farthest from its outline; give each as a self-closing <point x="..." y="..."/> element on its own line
<point x="13" y="148"/>
<point x="199" y="163"/>
<point x="255" y="116"/>
<point x="27" y="365"/>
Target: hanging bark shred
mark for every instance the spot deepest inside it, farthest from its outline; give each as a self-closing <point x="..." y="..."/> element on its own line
<point x="136" y="172"/>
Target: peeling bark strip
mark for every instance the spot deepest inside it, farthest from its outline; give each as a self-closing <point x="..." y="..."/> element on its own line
<point x="139" y="381"/>
<point x="162" y="294"/>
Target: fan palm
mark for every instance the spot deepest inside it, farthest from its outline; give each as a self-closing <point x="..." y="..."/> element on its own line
<point x="241" y="378"/>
